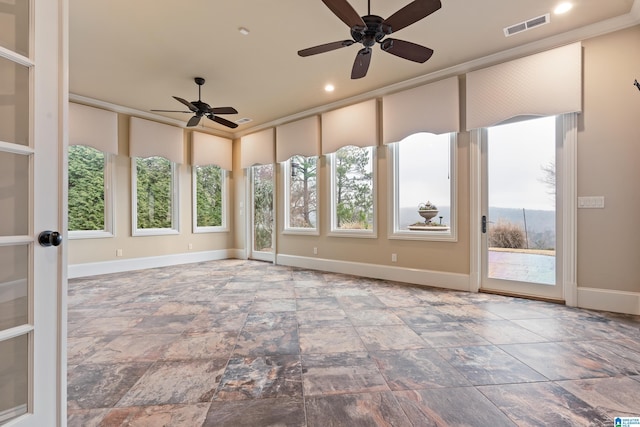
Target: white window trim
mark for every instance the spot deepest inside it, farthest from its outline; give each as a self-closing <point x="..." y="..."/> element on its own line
<point x="306" y="231"/>
<point x="194" y="203"/>
<point x="437" y="236"/>
<point x="109" y="205"/>
<point x="175" y="214"/>
<point x="363" y="234"/>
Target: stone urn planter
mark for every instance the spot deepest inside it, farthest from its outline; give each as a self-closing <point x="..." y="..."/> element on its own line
<point x="427" y="211"/>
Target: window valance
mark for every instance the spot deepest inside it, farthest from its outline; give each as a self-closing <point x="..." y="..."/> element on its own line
<point x="148" y="139"/>
<point x="433" y="108"/>
<point x="94" y="127"/>
<point x="211" y="150"/>
<point x="301" y="137"/>
<point x="353" y="125"/>
<point x="544" y="84"/>
<point x="257" y="148"/>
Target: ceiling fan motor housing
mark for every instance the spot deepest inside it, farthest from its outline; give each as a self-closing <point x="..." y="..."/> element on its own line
<point x="374" y="32"/>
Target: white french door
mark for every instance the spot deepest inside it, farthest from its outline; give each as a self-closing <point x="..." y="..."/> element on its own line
<point x="32" y="278"/>
<point x="521" y="221"/>
<point x="262" y="213"/>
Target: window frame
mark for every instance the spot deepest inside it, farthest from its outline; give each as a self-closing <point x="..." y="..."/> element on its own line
<point x="175" y="205"/>
<point x="366" y="233"/>
<point x="437" y="236"/>
<point x="224" y="227"/>
<point x="286" y="171"/>
<point x="109" y="203"/>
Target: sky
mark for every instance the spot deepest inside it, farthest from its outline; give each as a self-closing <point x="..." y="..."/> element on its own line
<point x="517" y="153"/>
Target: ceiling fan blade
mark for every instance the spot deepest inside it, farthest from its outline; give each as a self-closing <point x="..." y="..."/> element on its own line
<point x="172" y="111"/>
<point x="223" y="110"/>
<point x="193" y="121"/>
<point x="407" y="50"/>
<point x="325" y="48"/>
<point x="224" y="122"/>
<point x="413" y="12"/>
<point x="361" y="64"/>
<point x="192" y="107"/>
<point x="347" y="14"/>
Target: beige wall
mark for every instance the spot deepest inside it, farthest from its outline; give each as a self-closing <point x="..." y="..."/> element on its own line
<point x="608" y="156"/>
<point x="437" y="256"/>
<point x="97" y="250"/>
<point x="608" y="163"/>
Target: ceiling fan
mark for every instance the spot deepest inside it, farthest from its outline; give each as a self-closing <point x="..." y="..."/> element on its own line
<point x="202" y="109"/>
<point x="371" y="29"/>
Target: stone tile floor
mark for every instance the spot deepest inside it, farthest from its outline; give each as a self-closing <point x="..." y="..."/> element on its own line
<point x="246" y="343"/>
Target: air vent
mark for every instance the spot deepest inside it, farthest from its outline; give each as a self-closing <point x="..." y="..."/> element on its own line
<point x="527" y="25"/>
<point x="243" y="121"/>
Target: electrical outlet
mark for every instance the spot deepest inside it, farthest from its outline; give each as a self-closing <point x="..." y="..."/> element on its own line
<point x="190" y="246"/>
<point x="315" y="251"/>
<point x="394" y="257"/>
<point x="118" y="252"/>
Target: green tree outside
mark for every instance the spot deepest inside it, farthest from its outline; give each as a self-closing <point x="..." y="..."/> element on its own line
<point x="354" y="187"/>
<point x="86" y="189"/>
<point x="262" y="207"/>
<point x="303" y="195"/>
<point x="209" y="182"/>
<point x="154" y="192"/>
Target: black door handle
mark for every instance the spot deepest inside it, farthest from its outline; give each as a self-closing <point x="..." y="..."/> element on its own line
<point x="50" y="238"/>
<point x="484" y="223"/>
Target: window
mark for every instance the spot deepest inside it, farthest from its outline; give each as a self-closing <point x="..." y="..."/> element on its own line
<point x="90" y="193"/>
<point x="209" y="199"/>
<point x="155" y="196"/>
<point x="301" y="195"/>
<point x="352" y="191"/>
<point x="423" y="172"/>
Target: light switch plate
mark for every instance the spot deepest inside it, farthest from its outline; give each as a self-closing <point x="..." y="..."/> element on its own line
<point x="591" y="202"/>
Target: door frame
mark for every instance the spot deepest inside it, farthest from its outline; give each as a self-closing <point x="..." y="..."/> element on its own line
<point x="567" y="192"/>
<point x="249" y="220"/>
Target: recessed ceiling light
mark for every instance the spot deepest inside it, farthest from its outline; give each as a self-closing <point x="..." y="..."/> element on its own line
<point x="562" y="8"/>
<point x="329" y="88"/>
<point x="243" y="31"/>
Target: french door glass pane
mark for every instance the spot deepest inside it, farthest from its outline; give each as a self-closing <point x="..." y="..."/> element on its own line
<point x="15" y="194"/>
<point x="14" y="25"/>
<point x="14" y="371"/>
<point x="14" y="108"/>
<point x="262" y="208"/>
<point x="14" y="267"/>
<point x="521" y="201"/>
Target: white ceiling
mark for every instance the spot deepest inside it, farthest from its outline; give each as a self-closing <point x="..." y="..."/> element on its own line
<point x="138" y="54"/>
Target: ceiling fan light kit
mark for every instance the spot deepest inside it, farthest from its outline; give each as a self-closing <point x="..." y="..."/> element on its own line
<point x="371" y="29"/>
<point x="201" y="109"/>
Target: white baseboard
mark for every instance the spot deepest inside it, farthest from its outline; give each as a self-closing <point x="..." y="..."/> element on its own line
<point x="609" y="300"/>
<point x="130" y="264"/>
<point x="438" y="279"/>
